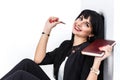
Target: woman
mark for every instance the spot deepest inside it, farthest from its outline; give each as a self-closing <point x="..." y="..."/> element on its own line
<point x="69" y="63"/>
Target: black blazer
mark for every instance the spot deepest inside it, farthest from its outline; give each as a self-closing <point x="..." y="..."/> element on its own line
<point x="77" y="66"/>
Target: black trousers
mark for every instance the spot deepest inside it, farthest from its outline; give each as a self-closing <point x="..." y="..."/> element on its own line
<point x="26" y="70"/>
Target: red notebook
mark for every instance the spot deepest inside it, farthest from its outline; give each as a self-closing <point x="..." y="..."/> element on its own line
<point x="93" y="48"/>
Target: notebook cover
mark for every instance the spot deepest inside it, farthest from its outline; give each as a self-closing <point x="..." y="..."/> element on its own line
<point x="93" y="48"/>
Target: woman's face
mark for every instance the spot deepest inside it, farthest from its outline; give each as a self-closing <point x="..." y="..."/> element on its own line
<point x="82" y="27"/>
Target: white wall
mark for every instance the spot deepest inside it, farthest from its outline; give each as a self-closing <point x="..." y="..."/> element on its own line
<point x="21" y="24"/>
<point x="106" y="7"/>
<point x="116" y="67"/>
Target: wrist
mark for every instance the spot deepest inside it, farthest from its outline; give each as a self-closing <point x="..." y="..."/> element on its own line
<point x="47" y="31"/>
<point x="96" y="63"/>
<point x="95" y="71"/>
<point x="97" y="60"/>
<point x="95" y="68"/>
<point x="46" y="34"/>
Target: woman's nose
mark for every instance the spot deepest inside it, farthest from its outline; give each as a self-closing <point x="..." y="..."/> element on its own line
<point x="79" y="24"/>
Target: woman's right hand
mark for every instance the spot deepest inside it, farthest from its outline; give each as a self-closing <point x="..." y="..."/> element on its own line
<point x="51" y="23"/>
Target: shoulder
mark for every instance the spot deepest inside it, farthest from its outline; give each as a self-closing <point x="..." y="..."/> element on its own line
<point x="66" y="42"/>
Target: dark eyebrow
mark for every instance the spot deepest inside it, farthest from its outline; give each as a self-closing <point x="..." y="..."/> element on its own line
<point x="88" y="22"/>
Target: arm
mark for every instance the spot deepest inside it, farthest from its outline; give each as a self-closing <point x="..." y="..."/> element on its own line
<point x="42" y="44"/>
<point x="97" y="61"/>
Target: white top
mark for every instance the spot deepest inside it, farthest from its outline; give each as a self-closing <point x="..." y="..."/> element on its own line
<point x="61" y="69"/>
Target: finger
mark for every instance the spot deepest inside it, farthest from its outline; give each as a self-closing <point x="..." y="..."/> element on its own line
<point x="109" y="49"/>
<point x="104" y="48"/>
<point x="53" y="19"/>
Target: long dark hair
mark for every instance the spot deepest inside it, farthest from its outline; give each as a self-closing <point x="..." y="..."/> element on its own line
<point x="97" y="21"/>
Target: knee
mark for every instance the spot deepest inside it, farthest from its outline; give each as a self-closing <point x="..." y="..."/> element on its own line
<point x="26" y="61"/>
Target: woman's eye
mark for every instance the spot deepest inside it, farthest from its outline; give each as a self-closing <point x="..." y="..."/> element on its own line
<point x="87" y="24"/>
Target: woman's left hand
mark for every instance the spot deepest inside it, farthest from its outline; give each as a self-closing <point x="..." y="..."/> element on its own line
<point x="107" y="52"/>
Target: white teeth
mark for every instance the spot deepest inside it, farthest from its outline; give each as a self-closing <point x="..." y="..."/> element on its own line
<point x="77" y="28"/>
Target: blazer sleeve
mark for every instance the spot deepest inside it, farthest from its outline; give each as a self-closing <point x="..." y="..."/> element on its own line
<point x="50" y="56"/>
<point x="88" y="62"/>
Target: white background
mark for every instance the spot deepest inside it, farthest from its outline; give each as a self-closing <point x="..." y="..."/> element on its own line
<point x="21" y="25"/>
<point x="22" y="21"/>
<point x="116" y="57"/>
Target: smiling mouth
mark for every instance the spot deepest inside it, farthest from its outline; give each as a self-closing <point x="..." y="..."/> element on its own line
<point x="77" y="29"/>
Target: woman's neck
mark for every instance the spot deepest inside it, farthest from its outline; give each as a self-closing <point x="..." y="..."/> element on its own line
<point x="78" y="40"/>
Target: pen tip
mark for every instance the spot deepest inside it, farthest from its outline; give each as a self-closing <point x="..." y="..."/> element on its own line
<point x="62" y="22"/>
